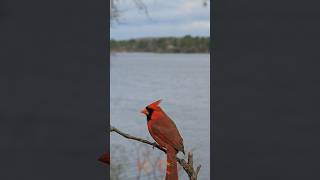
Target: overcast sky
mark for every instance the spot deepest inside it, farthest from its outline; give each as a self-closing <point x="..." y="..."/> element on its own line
<point x="166" y="18"/>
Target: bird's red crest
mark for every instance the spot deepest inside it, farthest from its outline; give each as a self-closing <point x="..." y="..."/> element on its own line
<point x="155" y="104"/>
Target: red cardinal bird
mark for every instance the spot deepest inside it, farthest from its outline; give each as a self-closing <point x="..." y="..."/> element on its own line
<point x="165" y="133"/>
<point x="105" y="158"/>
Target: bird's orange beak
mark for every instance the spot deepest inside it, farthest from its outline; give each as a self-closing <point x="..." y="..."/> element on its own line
<point x="144" y="111"/>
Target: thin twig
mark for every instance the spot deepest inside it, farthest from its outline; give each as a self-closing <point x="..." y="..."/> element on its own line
<point x="187" y="166"/>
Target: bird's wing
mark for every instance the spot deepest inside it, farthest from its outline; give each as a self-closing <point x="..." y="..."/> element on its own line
<point x="167" y="131"/>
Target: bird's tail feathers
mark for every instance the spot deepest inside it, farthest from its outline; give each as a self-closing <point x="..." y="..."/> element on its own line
<point x="172" y="169"/>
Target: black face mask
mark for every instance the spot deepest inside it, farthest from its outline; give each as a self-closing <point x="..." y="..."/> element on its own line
<point x="150" y="111"/>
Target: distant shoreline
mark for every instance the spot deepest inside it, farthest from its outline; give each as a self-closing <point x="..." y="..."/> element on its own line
<point x="186" y="44"/>
<point x="164" y="53"/>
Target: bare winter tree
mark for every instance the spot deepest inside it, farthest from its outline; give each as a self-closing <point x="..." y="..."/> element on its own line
<point x="114" y="8"/>
<point x="115" y="13"/>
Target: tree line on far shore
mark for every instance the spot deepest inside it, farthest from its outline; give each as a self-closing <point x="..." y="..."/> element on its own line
<point x="186" y="44"/>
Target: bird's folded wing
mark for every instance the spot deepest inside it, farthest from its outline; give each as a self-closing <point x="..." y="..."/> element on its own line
<point x="169" y="134"/>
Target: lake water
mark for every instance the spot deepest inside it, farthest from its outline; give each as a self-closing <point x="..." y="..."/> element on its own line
<point x="182" y="81"/>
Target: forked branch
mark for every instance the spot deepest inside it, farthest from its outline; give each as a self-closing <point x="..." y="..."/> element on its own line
<point x="187" y="165"/>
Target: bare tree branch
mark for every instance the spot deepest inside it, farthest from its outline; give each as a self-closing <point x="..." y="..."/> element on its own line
<point x="115" y="12"/>
<point x="187" y="165"/>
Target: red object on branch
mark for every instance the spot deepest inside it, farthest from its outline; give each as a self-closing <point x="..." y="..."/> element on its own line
<point x="105" y="158"/>
<point x="165" y="133"/>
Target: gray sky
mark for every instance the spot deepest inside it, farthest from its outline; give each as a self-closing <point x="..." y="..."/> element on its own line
<point x="166" y="18"/>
